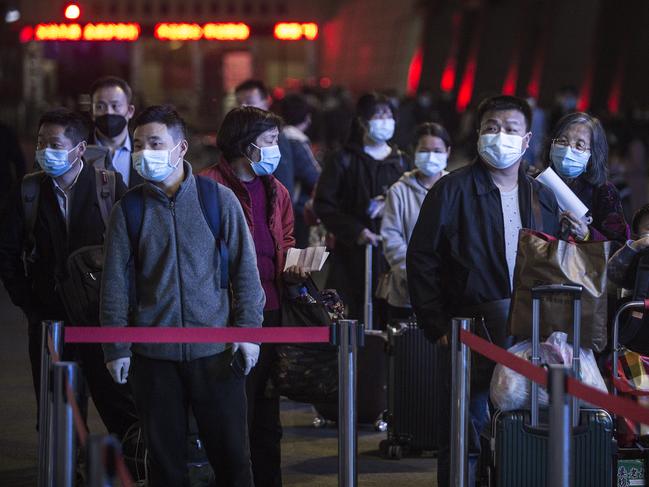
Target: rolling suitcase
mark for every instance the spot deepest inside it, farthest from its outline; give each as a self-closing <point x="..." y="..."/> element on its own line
<point x="414" y="390"/>
<point x="372" y="383"/>
<point x="519" y="451"/>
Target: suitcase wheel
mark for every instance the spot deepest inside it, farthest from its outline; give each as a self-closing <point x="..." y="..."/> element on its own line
<point x="392" y="451"/>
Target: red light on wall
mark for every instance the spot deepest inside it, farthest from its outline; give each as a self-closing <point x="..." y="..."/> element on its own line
<point x="177" y="32"/>
<point x="226" y="31"/>
<point x="448" y="75"/>
<point x="26" y="34"/>
<point x="111" y="32"/>
<point x="414" y="71"/>
<point x="72" y="11"/>
<point x="294" y="31"/>
<point x="58" y="32"/>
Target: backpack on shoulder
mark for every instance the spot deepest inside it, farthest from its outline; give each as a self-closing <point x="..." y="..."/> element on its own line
<point x="80" y="286"/>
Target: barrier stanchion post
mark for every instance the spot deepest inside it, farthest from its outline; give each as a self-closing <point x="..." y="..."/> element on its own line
<point x="368" y="312"/>
<point x="460" y="391"/>
<point x="559" y="455"/>
<point x="102" y="460"/>
<point x="53" y="329"/>
<point x="535" y="359"/>
<point x="576" y="361"/>
<point x="64" y="439"/>
<point x="348" y="336"/>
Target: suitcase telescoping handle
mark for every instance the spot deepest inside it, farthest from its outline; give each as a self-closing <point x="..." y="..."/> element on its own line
<point x="615" y="342"/>
<point x="539" y="292"/>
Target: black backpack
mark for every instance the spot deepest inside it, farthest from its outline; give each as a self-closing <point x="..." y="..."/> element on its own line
<point x="79" y="288"/>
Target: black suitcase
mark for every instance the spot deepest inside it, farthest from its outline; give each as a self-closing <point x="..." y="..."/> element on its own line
<point x="519" y="450"/>
<point x="414" y="390"/>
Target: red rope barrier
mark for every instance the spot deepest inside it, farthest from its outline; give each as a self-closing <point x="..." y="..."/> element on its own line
<point x="156" y="334"/>
<point x="618" y="405"/>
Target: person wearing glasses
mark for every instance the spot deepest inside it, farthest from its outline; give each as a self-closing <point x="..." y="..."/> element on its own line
<point x="578" y="153"/>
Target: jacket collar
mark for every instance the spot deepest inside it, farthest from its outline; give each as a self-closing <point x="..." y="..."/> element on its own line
<point x="188" y="182"/>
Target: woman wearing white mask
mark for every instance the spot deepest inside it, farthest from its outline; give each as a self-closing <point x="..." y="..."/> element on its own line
<point x="350" y="197"/>
<point x="578" y="153"/>
<point x="402" y="206"/>
<point x="247" y="140"/>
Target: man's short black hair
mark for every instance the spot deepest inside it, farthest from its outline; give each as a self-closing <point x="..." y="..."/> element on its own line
<point x="501" y="103"/>
<point x="166" y="115"/>
<point x="241" y="127"/>
<point x="253" y="84"/>
<point x="640" y="213"/>
<point x="110" y="82"/>
<point x="76" y="128"/>
<point x="295" y="109"/>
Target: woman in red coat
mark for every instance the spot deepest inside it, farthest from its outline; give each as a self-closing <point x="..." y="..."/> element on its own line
<point x="247" y="140"/>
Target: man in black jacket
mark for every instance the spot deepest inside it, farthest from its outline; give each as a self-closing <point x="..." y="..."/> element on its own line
<point x="462" y="252"/>
<point x="67" y="218"/>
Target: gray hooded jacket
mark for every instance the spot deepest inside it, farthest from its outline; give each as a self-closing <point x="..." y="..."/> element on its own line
<point x="177" y="278"/>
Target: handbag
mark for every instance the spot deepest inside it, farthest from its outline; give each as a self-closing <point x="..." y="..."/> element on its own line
<point x="543" y="259"/>
<point x="308" y="372"/>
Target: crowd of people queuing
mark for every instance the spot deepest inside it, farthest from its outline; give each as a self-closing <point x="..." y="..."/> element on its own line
<point x="444" y="242"/>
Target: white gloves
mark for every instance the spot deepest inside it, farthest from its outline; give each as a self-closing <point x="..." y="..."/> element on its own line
<point x="119" y="369"/>
<point x="250" y="352"/>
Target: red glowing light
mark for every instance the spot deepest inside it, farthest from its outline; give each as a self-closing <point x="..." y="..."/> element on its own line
<point x="58" y="32"/>
<point x="414" y="71"/>
<point x="177" y="32"/>
<point x="279" y="93"/>
<point x="226" y="31"/>
<point x="466" y="88"/>
<point x="325" y="83"/>
<point x="72" y="11"/>
<point x="509" y="85"/>
<point x="26" y="34"/>
<point x="294" y="31"/>
<point x="111" y="32"/>
<point x="583" y="103"/>
<point x="448" y="75"/>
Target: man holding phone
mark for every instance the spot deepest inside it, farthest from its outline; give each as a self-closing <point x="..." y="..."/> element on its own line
<point x="187" y="271"/>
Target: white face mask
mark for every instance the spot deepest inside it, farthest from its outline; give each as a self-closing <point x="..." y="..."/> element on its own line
<point x="153" y="165"/>
<point x="431" y="163"/>
<point x="500" y="150"/>
<point x="268" y="160"/>
<point x="568" y="162"/>
<point x="381" y="129"/>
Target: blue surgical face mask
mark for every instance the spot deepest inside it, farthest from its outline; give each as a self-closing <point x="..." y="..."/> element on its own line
<point x="381" y="129"/>
<point x="154" y="165"/>
<point x="500" y="150"/>
<point x="55" y="162"/>
<point x="268" y="162"/>
<point x="568" y="162"/>
<point x="431" y="163"/>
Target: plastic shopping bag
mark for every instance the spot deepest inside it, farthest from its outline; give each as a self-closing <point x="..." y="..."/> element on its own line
<point x="510" y="390"/>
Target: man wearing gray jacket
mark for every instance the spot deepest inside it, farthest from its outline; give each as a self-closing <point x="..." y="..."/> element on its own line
<point x="170" y="276"/>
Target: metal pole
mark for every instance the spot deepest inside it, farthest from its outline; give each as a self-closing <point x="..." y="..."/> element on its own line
<point x="347" y="436"/>
<point x="368" y="315"/>
<point x="576" y="361"/>
<point x="460" y="391"/>
<point x="64" y="439"/>
<point x="102" y="457"/>
<point x="536" y="359"/>
<point x="45" y="447"/>
<point x="559" y="473"/>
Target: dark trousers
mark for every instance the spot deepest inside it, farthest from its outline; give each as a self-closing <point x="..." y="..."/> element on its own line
<point x="113" y="401"/>
<point x="263" y="415"/>
<point x="163" y="391"/>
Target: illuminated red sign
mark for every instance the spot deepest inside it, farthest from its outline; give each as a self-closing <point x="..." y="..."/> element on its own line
<point x="194" y="32"/>
<point x="294" y="31"/>
<point x="75" y="32"/>
<point x="226" y="32"/>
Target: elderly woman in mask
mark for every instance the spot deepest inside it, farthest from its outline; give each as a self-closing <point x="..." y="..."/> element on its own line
<point x="350" y="196"/>
<point x="578" y="153"/>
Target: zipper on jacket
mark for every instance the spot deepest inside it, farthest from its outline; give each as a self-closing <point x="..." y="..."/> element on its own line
<point x="172" y="207"/>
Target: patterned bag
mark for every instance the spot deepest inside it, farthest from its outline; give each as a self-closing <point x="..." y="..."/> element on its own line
<point x="308" y="372"/>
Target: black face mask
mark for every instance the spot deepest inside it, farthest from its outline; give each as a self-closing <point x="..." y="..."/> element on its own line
<point x="110" y="125"/>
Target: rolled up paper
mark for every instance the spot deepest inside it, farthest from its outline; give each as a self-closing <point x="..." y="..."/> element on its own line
<point x="568" y="201"/>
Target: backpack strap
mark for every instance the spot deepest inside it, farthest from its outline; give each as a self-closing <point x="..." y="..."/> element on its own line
<point x="105" y="186"/>
<point x="30" y="189"/>
<point x="133" y="209"/>
<point x="208" y="195"/>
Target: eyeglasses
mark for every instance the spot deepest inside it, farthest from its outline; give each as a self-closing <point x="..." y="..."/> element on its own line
<point x="579" y="146"/>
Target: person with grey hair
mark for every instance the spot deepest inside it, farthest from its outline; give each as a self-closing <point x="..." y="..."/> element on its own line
<point x="578" y="153"/>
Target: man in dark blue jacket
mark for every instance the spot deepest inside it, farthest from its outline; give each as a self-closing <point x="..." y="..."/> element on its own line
<point x="462" y="253"/>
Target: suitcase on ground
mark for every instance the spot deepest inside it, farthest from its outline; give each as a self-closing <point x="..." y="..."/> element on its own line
<point x="371" y="385"/>
<point x="414" y="390"/>
<point x="520" y="450"/>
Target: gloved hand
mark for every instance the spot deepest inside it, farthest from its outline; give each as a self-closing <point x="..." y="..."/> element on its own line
<point x="250" y="352"/>
<point x="119" y="369"/>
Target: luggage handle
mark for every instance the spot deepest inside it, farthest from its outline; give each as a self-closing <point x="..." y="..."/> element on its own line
<point x="537" y="293"/>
